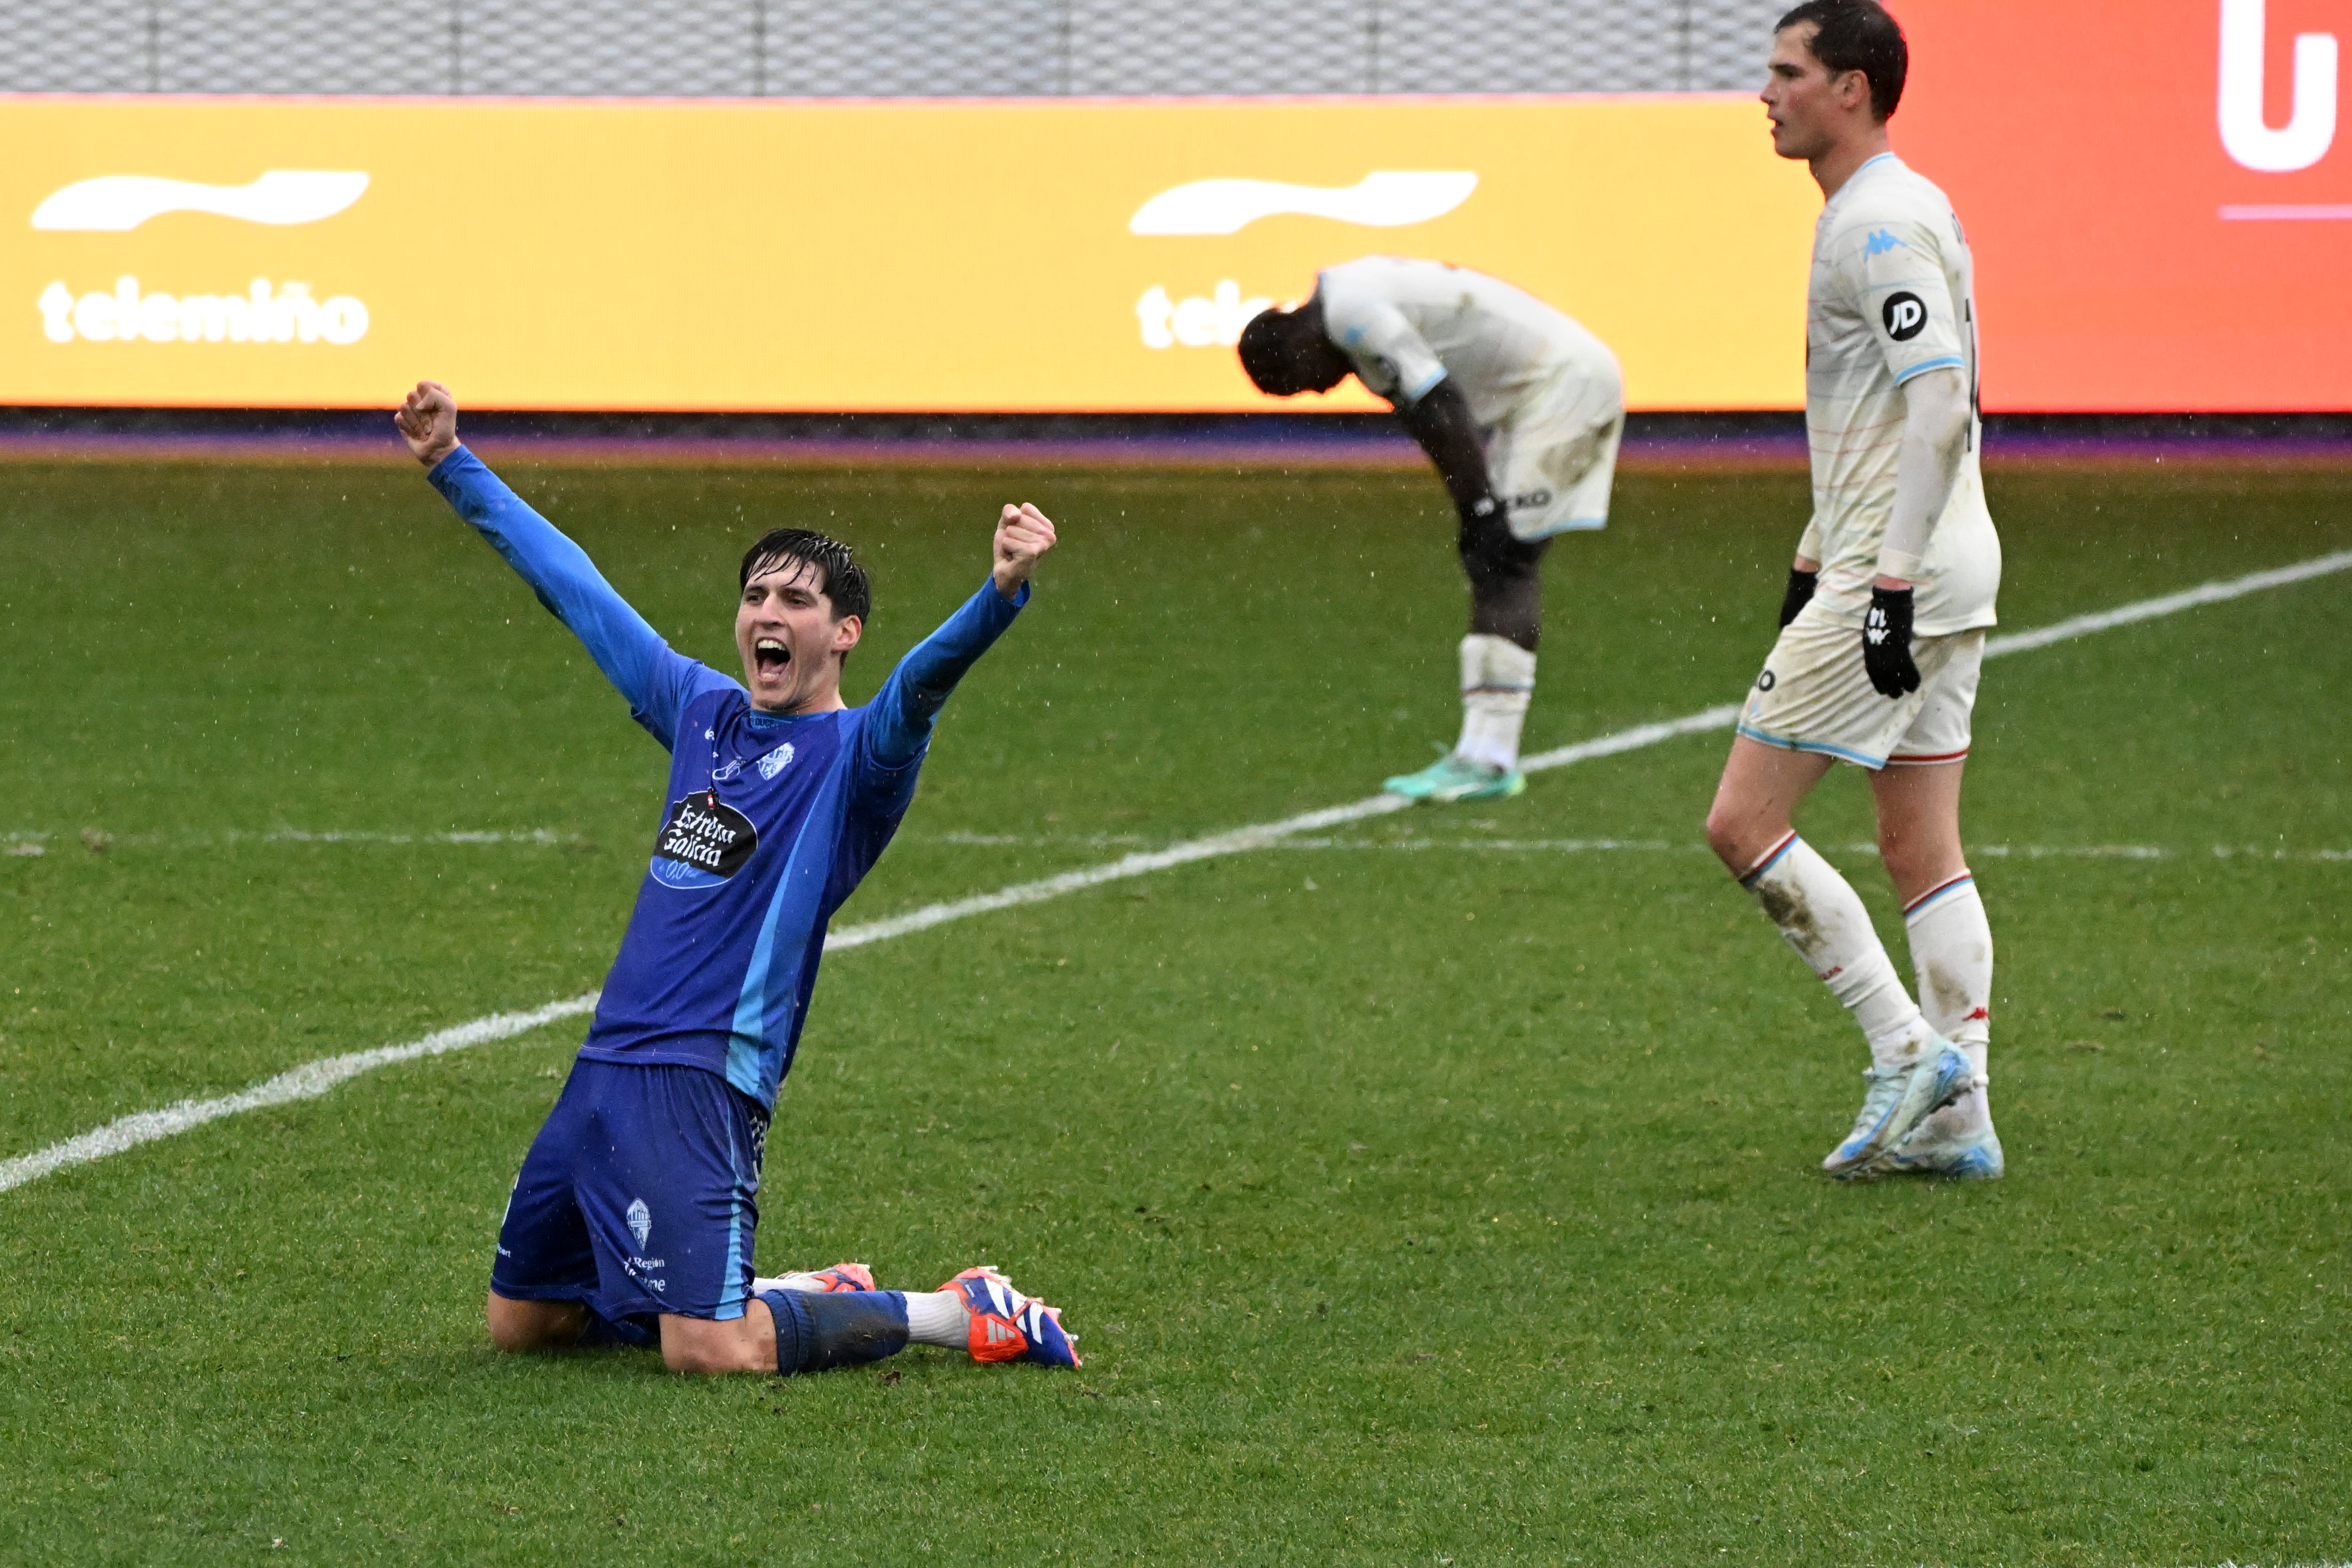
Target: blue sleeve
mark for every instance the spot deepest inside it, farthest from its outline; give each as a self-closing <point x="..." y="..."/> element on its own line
<point x="657" y="682"/>
<point x="898" y="721"/>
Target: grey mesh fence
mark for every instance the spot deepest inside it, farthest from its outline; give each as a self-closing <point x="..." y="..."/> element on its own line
<point x="883" y="48"/>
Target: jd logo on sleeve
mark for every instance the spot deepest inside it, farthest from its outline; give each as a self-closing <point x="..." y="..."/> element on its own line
<point x="1904" y="315"/>
<point x="704" y="842"/>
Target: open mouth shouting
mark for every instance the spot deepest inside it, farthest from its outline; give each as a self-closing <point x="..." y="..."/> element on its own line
<point x="769" y="657"/>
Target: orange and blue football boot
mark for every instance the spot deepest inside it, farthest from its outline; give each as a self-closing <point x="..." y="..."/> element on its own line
<point x="824" y="1282"/>
<point x="1006" y="1325"/>
<point x="844" y="1276"/>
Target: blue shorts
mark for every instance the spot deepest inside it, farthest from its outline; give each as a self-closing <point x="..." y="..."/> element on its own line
<point x="639" y="1196"/>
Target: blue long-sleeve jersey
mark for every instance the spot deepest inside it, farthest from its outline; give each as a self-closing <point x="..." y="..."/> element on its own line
<point x="769" y="822"/>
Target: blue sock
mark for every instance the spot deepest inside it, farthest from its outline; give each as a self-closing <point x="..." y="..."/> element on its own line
<point x="844" y="1328"/>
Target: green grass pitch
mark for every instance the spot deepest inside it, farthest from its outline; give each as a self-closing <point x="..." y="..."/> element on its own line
<point x="1415" y="1199"/>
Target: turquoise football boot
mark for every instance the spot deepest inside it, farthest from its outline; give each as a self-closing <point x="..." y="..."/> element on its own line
<point x="1457" y="777"/>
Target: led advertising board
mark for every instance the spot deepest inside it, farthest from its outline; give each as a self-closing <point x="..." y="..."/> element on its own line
<point x="970" y="255"/>
<point x="2158" y="197"/>
<point x="2158" y="194"/>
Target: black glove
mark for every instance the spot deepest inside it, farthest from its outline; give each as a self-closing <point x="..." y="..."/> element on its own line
<point x="1478" y="510"/>
<point x="1801" y="593"/>
<point x="1886" y="643"/>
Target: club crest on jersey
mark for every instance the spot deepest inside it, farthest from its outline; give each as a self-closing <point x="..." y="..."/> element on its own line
<point x="1904" y="315"/>
<point x="703" y="843"/>
<point x="770" y="765"/>
<point x="641" y="1220"/>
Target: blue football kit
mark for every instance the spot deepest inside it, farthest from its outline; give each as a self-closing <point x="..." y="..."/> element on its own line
<point x="639" y="1195"/>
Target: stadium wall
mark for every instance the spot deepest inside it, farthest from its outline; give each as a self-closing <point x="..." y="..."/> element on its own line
<point x="2167" y="234"/>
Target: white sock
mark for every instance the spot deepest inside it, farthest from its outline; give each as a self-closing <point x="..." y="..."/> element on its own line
<point x="1820" y="914"/>
<point x="937" y="1317"/>
<point x="1951" y="953"/>
<point x="1498" y="678"/>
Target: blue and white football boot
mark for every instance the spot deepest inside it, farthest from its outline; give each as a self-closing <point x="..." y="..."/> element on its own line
<point x="1972" y="1156"/>
<point x="1898" y="1100"/>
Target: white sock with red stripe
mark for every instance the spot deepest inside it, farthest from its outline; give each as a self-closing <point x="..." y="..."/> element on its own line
<point x="1498" y="680"/>
<point x="1951" y="951"/>
<point x="1823" y="918"/>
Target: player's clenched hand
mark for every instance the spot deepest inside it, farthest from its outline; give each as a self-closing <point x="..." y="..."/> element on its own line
<point x="427" y="419"/>
<point x="1886" y="643"/>
<point x="1023" y="534"/>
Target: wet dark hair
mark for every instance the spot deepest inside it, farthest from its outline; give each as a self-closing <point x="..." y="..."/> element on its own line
<point x="1269" y="351"/>
<point x="1858" y="36"/>
<point x="839" y="577"/>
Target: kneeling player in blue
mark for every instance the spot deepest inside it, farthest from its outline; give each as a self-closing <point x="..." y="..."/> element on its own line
<point x="631" y="1220"/>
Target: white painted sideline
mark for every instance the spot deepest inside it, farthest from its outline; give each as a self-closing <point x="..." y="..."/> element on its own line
<point x="1722" y="716"/>
<point x="313" y="1079"/>
<point x="307" y="1082"/>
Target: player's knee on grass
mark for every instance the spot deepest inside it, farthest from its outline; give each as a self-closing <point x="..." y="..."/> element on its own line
<point x="520" y="1326"/>
<point x="1506" y="587"/>
<point x="706" y="1347"/>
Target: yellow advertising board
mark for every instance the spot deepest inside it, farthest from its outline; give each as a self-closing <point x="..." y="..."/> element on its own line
<point x="855" y="257"/>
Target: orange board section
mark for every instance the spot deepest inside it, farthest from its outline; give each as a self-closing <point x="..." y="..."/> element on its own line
<point x="2158" y="196"/>
<point x="855" y="256"/>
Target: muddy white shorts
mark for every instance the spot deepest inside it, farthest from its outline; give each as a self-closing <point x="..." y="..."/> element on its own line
<point x="1815" y="695"/>
<point x="1554" y="458"/>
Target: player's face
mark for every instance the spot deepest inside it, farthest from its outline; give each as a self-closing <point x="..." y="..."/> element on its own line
<point x="790" y="643"/>
<point x="1804" y="102"/>
<point x="1315" y="365"/>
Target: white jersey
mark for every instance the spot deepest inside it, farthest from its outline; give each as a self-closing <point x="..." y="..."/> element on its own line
<point x="1893" y="296"/>
<point x="1406" y="324"/>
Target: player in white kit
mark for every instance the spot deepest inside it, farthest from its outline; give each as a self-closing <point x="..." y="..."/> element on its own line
<point x="1521" y="410"/>
<point x="1882" y="628"/>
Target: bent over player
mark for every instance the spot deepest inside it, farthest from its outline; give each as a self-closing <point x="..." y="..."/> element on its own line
<point x="1882" y="626"/>
<point x="1521" y="410"/>
<point x="633" y="1219"/>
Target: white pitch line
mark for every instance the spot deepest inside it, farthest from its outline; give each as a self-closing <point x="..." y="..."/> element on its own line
<point x="2169" y="604"/>
<point x="32" y="842"/>
<point x="314" y="1079"/>
<point x="1722" y="716"/>
<point x="307" y="1082"/>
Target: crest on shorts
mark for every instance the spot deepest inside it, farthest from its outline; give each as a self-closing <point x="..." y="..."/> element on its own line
<point x="641" y="1220"/>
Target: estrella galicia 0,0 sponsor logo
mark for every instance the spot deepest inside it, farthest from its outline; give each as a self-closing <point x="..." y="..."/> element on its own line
<point x="703" y="843"/>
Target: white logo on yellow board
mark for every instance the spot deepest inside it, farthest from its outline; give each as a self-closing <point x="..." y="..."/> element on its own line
<point x="1197" y="320"/>
<point x="264" y="313"/>
<point x="115" y="204"/>
<point x="1383" y="199"/>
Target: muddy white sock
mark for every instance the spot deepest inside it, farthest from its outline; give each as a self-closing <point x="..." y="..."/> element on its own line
<point x="1820" y="916"/>
<point x="1498" y="680"/>
<point x="937" y="1317"/>
<point x="1951" y="953"/>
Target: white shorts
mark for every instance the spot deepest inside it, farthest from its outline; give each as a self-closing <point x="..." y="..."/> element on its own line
<point x="1815" y="695"/>
<point x="1553" y="459"/>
